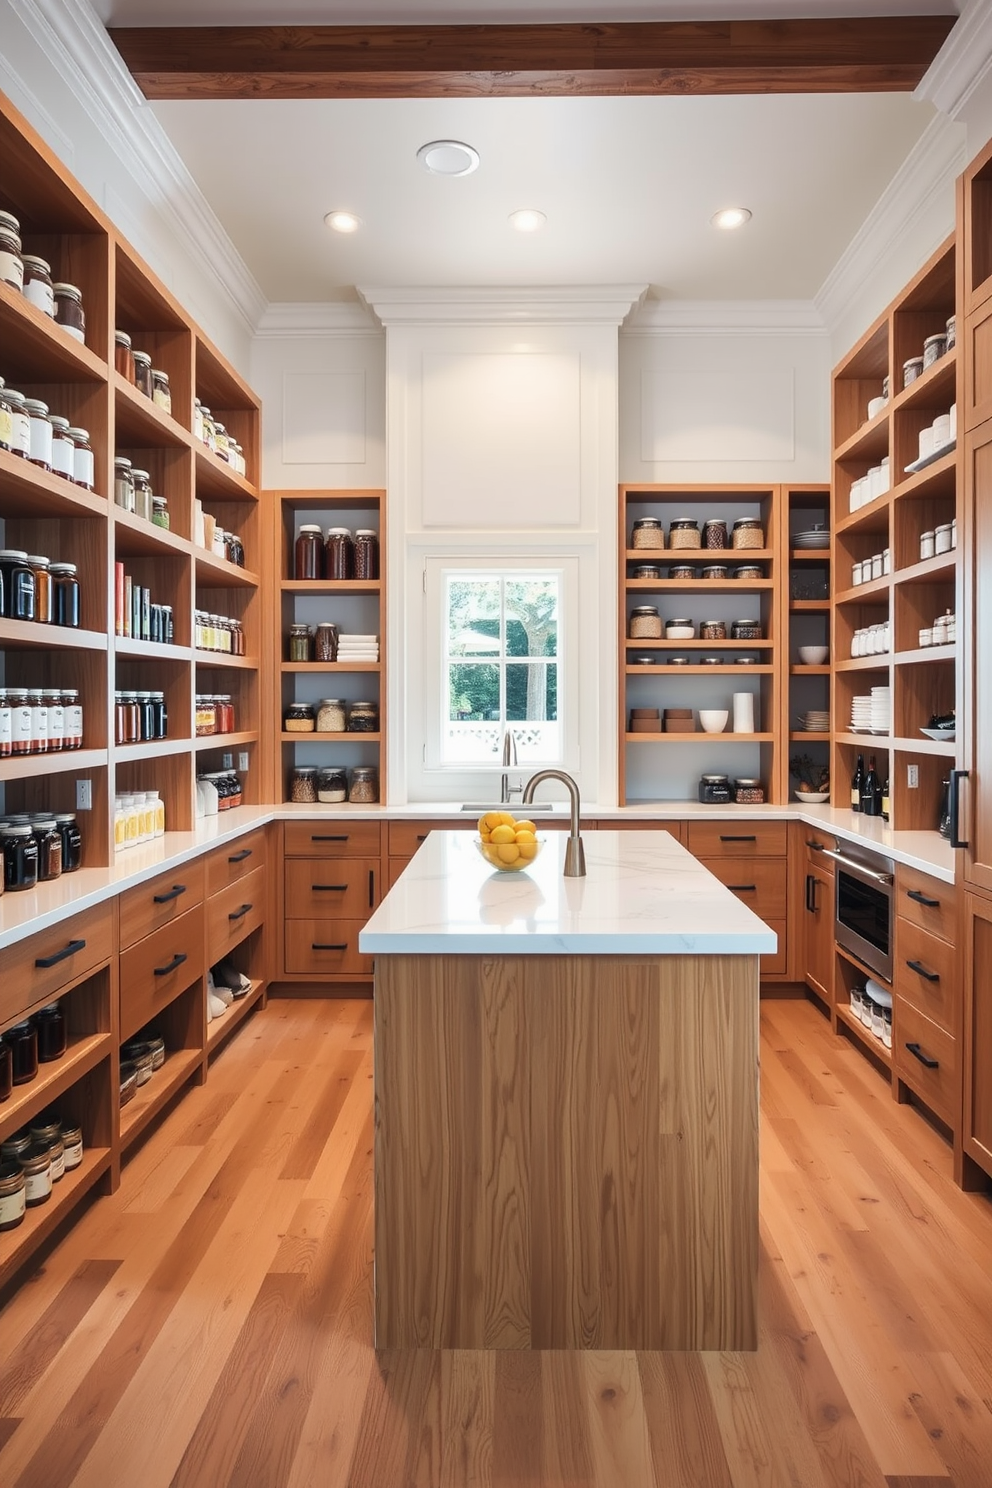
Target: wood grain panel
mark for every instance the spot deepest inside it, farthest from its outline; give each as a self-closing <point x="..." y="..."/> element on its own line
<point x="24" y="985"/>
<point x="932" y="1071"/>
<point x="919" y="959"/>
<point x="146" y="985"/>
<point x="235" y="912"/>
<point x="158" y="902"/>
<point x="317" y="887"/>
<point x="325" y="947"/>
<point x="727" y="839"/>
<point x="228" y="864"/>
<point x="332" y="839"/>
<point x="760" y="883"/>
<point x="927" y="902"/>
<point x="566" y="1150"/>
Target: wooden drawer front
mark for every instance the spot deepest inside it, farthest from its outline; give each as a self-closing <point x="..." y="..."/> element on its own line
<point x="234" y="913"/>
<point x="927" y="902"/>
<point x="318" y="887"/>
<point x="332" y="839"/>
<point x="325" y="947"/>
<point x="749" y="839"/>
<point x="405" y="837"/>
<point x="158" y="968"/>
<point x="70" y="948"/>
<point x="926" y="1060"/>
<point x="931" y="958"/>
<point x="160" y="901"/>
<point x="777" y="964"/>
<point x="227" y="864"/>
<point x="813" y="842"/>
<point x="760" y="883"/>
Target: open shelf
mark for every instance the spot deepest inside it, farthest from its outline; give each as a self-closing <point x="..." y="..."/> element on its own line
<point x="28" y="491"/>
<point x="664" y="670"/>
<point x="39" y="1222"/>
<point x="225" y="741"/>
<point x="149" y="1099"/>
<point x="59" y="762"/>
<point x="151" y="749"/>
<point x="25" y="635"/>
<point x="39" y="349"/>
<point x="697" y="734"/>
<point x="219" y="1029"/>
<point x="863" y="1035"/>
<point x="219" y="573"/>
<point x="225" y="660"/>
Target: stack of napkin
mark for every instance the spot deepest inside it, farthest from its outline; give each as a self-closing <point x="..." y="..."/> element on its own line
<point x="358" y="648"/>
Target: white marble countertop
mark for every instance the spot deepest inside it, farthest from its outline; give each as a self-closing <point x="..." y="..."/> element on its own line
<point x="643" y="894"/>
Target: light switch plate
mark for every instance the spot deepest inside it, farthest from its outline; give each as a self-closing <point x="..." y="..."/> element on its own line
<point x="913" y="777"/>
<point x="84" y="795"/>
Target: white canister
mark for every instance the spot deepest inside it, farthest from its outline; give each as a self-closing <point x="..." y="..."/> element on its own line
<point x="926" y="442"/>
<point x="875" y="482"/>
<point x="939" y="631"/>
<point x="876" y="566"/>
<point x="743" y="712"/>
<point x="942" y="538"/>
<point x="886" y="560"/>
<point x="941" y="430"/>
<point x="856" y="578"/>
<point x="953" y="417"/>
<point x="926" y="636"/>
<point x="875" y="407"/>
<point x="206" y="798"/>
<point x="954" y="533"/>
<point x="886" y="469"/>
<point x="927" y="545"/>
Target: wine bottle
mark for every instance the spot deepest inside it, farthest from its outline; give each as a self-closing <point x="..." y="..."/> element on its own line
<point x="885" y="800"/>
<point x="857" y="780"/>
<point x="871" y="791"/>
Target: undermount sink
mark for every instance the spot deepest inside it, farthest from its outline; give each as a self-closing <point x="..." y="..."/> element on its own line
<point x="536" y="808"/>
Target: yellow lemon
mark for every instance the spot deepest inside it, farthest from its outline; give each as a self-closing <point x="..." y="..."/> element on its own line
<point x="508" y="852"/>
<point x="490" y="820"/>
<point x="527" y="849"/>
<point x="526" y="826"/>
<point x="484" y="836"/>
<point x="506" y="818"/>
<point x="524" y="834"/>
<point x="501" y="834"/>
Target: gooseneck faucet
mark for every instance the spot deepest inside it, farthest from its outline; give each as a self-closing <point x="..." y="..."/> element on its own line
<point x="509" y="758"/>
<point x="575" y="857"/>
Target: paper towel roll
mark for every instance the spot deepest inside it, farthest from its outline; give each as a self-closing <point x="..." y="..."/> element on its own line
<point x="743" y="712"/>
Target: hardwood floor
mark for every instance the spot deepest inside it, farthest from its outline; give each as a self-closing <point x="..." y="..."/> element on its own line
<point x="210" y="1325"/>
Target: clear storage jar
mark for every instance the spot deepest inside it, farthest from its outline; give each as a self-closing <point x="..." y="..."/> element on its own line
<point x="645" y="623"/>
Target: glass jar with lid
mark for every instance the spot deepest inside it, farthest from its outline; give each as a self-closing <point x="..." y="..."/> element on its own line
<point x="124" y="356"/>
<point x="300" y="719"/>
<point x="714" y="533"/>
<point x="683" y="532"/>
<point x="82" y="459"/>
<point x="22" y="1041"/>
<point x="143" y="372"/>
<point x="40" y="433"/>
<point x="6" y="419"/>
<point x="36" y="1165"/>
<point x="38" y="284"/>
<point x="52" y="698"/>
<point x="647" y="532"/>
<point x="123" y="483"/>
<point x="42" y="588"/>
<point x="63" y="448"/>
<point x="205" y="713"/>
<point x="73" y="718"/>
<point x="325" y="644"/>
<point x="235" y="549"/>
<point x="303" y="785"/>
<point x="72" y="841"/>
<point x="11" y="262"/>
<point x="308" y="554"/>
<point x="331" y="716"/>
<point x="746" y="630"/>
<point x="20" y="721"/>
<point x="13" y="1206"/>
<point x="340" y="553"/>
<point x="17" y="593"/>
<point x="714" y="790"/>
<point x="20" y="425"/>
<point x="160" y="512"/>
<point x="52" y="1036"/>
<point x="366" y="553"/>
<point x="222" y="444"/>
<point x="712" y="630"/>
<point x="300" y="643"/>
<point x="6" y="727"/>
<point x="363" y="718"/>
<point x="332" y="784"/>
<point x="645" y="623"/>
<point x="69" y="310"/>
<point x="161" y="392"/>
<point x="748" y="533"/>
<point x="142" y="493"/>
<point x="748" y="791"/>
<point x="364" y="788"/>
<point x="20" y="858"/>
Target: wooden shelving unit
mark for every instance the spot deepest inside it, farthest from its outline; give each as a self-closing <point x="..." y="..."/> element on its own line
<point x="809" y="587"/>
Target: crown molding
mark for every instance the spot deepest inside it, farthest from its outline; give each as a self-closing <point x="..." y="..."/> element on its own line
<point x="929" y="170"/>
<point x="726" y="318"/>
<point x="78" y="48"/>
<point x="602" y="304"/>
<point x="319" y="318"/>
<point x="963" y="62"/>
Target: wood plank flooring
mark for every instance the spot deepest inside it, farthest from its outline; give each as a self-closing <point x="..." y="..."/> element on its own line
<point x="210" y="1325"/>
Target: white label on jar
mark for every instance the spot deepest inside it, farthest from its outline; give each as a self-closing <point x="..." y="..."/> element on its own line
<point x="38" y="1185"/>
<point x="11" y="269"/>
<point x="6" y="428"/>
<point x="42" y="295"/>
<point x="6" y="728"/>
<point x="74" y="723"/>
<point x="41" y="440"/>
<point x="21" y="432"/>
<point x="74" y="332"/>
<point x="73" y="1154"/>
<point x="39" y="723"/>
<point x="82" y="467"/>
<point x="56" y="724"/>
<point x="62" y="457"/>
<point x="12" y="1207"/>
<point x="58" y="1163"/>
<point x="20" y="726"/>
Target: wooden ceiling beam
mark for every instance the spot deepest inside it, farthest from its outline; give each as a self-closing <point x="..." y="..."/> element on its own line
<point x="852" y="55"/>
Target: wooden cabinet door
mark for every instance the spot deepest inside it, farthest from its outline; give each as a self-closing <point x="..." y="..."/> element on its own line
<point x="976" y="1050"/>
<point x="975" y="638"/>
<point x="818" y="932"/>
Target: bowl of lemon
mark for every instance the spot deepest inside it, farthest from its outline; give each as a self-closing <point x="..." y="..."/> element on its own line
<point x="506" y="844"/>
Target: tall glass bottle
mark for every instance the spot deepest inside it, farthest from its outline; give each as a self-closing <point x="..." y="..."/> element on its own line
<point x="871" y="791"/>
<point x="857" y="781"/>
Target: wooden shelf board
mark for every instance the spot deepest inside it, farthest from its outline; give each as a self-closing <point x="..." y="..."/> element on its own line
<point x="930" y="390"/>
<point x="343" y="738"/>
<point x="925" y="653"/>
<point x="810" y="555"/>
<point x="923" y="745"/>
<point x="701" y="555"/>
<point x="219" y="1029"/>
<point x="222" y="659"/>
<point x="696" y="734"/>
<point x="697" y="671"/>
<point x="225" y="741"/>
<point x="934" y="480"/>
<point x="320" y="667"/>
<point x="929" y="570"/>
<point x="149" y="1099"/>
<point x="28" y="491"/>
<point x="810" y="736"/>
<point x="676" y="646"/>
<point x="39" y="1222"/>
<point x="27" y="635"/>
<point x="126" y="646"/>
<point x="153" y="749"/>
<point x="40" y="350"/>
<point x="54" y="1079"/>
<point x="330" y="586"/>
<point x="140" y="423"/>
<point x="872" y="517"/>
<point x="217" y="573"/>
<point x="802" y="670"/>
<point x="870" y="442"/>
<point x="809" y="606"/>
<point x="216" y="481"/>
<point x="61" y="762"/>
<point x="863" y="1035"/>
<point x="865" y="593"/>
<point x="135" y="537"/>
<point x="864" y="664"/>
<point x="704" y="586"/>
<point x="865" y="742"/>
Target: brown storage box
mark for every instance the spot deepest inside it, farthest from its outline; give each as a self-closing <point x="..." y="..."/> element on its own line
<point x="680" y="725"/>
<point x="645" y="725"/>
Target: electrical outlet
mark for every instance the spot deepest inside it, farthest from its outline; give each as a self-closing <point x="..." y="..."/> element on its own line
<point x="913" y="777"/>
<point x="84" y="795"/>
<point x="243" y="760"/>
<point x="227" y="761"/>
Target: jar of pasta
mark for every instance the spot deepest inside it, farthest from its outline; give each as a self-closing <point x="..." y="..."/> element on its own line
<point x="748" y="533"/>
<point x="684" y="533"/>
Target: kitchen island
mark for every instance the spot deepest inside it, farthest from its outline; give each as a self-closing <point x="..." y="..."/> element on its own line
<point x="566" y="1101"/>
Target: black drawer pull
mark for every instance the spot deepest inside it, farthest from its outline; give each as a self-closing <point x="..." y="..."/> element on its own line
<point x="237" y="914"/>
<point x="812" y="883"/>
<point x="329" y="888"/>
<point x="173" y="893"/>
<point x="316" y="946"/>
<point x="240" y="857"/>
<point x="177" y="960"/>
<point x="371" y="888"/>
<point x="924" y="1059"/>
<point x="922" y="899"/>
<point x="422" y="836"/>
<point x="917" y="966"/>
<point x="816" y="846"/>
<point x="743" y="888"/>
<point x="752" y="838"/>
<point x="330" y="837"/>
<point x="43" y="962"/>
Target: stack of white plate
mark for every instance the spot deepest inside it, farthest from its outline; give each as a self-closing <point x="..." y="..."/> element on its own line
<point x="816" y="537"/>
<point x="881" y="710"/>
<point x="815" y="721"/>
<point x="861" y="715"/>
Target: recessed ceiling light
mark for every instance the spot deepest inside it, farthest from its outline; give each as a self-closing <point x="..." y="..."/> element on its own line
<point x="731" y="217"/>
<point x="528" y="219"/>
<point x="343" y="222"/>
<point x="448" y="158"/>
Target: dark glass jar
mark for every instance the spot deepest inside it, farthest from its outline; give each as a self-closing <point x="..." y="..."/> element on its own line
<point x="69" y="310"/>
<point x="160" y="716"/>
<point x="308" y="555"/>
<point x="72" y="841"/>
<point x="746" y="630"/>
<point x="42" y="588"/>
<point x="235" y="549"/>
<point x="12" y="1203"/>
<point x="124" y="356"/>
<point x="363" y="718"/>
<point x="20" y="859"/>
<point x="49" y="841"/>
<point x="714" y="790"/>
<point x="22" y="1040"/>
<point x="143" y="373"/>
<point x="366" y="553"/>
<point x="65" y="594"/>
<point x="16" y="585"/>
<point x="6" y="1071"/>
<point x="53" y="1037"/>
<point x="340" y="553"/>
<point x="300" y="719"/>
<point x="325" y="642"/>
<point x="332" y="784"/>
<point x="146" y="716"/>
<point x="36" y="1165"/>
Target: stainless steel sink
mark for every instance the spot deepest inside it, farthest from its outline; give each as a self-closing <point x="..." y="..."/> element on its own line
<point x="536" y="808"/>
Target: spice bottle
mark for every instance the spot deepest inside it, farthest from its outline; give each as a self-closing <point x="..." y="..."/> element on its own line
<point x="69" y="311"/>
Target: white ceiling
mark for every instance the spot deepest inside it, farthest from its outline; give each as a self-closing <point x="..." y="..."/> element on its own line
<point x="628" y="184"/>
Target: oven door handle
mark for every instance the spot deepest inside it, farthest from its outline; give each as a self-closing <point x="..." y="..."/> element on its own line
<point x="858" y="869"/>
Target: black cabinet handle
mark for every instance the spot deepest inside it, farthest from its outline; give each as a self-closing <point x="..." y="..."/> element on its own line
<point x="173" y="893"/>
<point x="316" y="946"/>
<point x="177" y="960"/>
<point x="811" y="887"/>
<point x="239" y="857"/>
<point x="743" y="888"/>
<point x="953" y="804"/>
<point x="917" y="966"/>
<point x="43" y="962"/>
<point x="922" y="899"/>
<point x="371" y="888"/>
<point x="329" y="837"/>
<point x="924" y="1059"/>
<point x="422" y="836"/>
<point x="329" y="888"/>
<point x="237" y="914"/>
<point x="752" y="838"/>
<point x="816" y="846"/>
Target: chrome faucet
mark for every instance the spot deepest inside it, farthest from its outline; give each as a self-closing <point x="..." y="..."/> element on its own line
<point x="509" y="758"/>
<point x="575" y="857"/>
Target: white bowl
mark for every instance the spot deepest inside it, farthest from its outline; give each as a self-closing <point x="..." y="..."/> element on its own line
<point x="680" y="632"/>
<point x="713" y="720"/>
<point x="813" y="655"/>
<point x="812" y="798"/>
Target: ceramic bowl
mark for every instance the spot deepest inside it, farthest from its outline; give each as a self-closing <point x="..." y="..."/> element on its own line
<point x="812" y="798"/>
<point x="813" y="655"/>
<point x="491" y="852"/>
<point x="713" y="720"/>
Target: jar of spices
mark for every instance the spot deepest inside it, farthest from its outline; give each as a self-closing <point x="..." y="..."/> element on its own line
<point x="69" y="310"/>
<point x="52" y="698"/>
<point x="714" y="790"/>
<point x="645" y="623"/>
<point x="72" y="1145"/>
<point x="712" y="630"/>
<point x="340" y="553"/>
<point x="123" y="484"/>
<point x="363" y="718"/>
<point x="326" y="641"/>
<point x="647" y="532"/>
<point x="6" y="1068"/>
<point x="714" y="534"/>
<point x="205" y="716"/>
<point x="42" y="588"/>
<point x="63" y="449"/>
<point x="308" y="555"/>
<point x="36" y="1165"/>
<point x="300" y="643"/>
<point x="20" y="425"/>
<point x="39" y="721"/>
<point x="652" y="571"/>
<point x="748" y="571"/>
<point x="12" y="1202"/>
<point x="82" y="458"/>
<point x="748" y="792"/>
<point x="748" y="533"/>
<point x="53" y="1038"/>
<point x="6" y="730"/>
<point x="300" y="719"/>
<point x="142" y="493"/>
<point x="124" y="356"/>
<point x="332" y="784"/>
<point x="6" y="419"/>
<point x="22" y="1039"/>
<point x="20" y="721"/>
<point x="38" y="284"/>
<point x="303" y="785"/>
<point x="160" y="512"/>
<point x="934" y="348"/>
<point x="143" y="373"/>
<point x="331" y="716"/>
<point x="683" y="571"/>
<point x="364" y="789"/>
<point x="715" y="571"/>
<point x="366" y="553"/>
<point x="911" y="370"/>
<point x="161" y="392"/>
<point x="221" y="441"/>
<point x="746" y="630"/>
<point x="17" y="595"/>
<point x="683" y="532"/>
<point x="17" y="1143"/>
<point x="73" y="718"/>
<point x="11" y="262"/>
<point x="72" y="841"/>
<point x="235" y="549"/>
<point x="41" y="433"/>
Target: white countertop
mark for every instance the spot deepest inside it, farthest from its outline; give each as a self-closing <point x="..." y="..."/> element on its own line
<point x="643" y="894"/>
